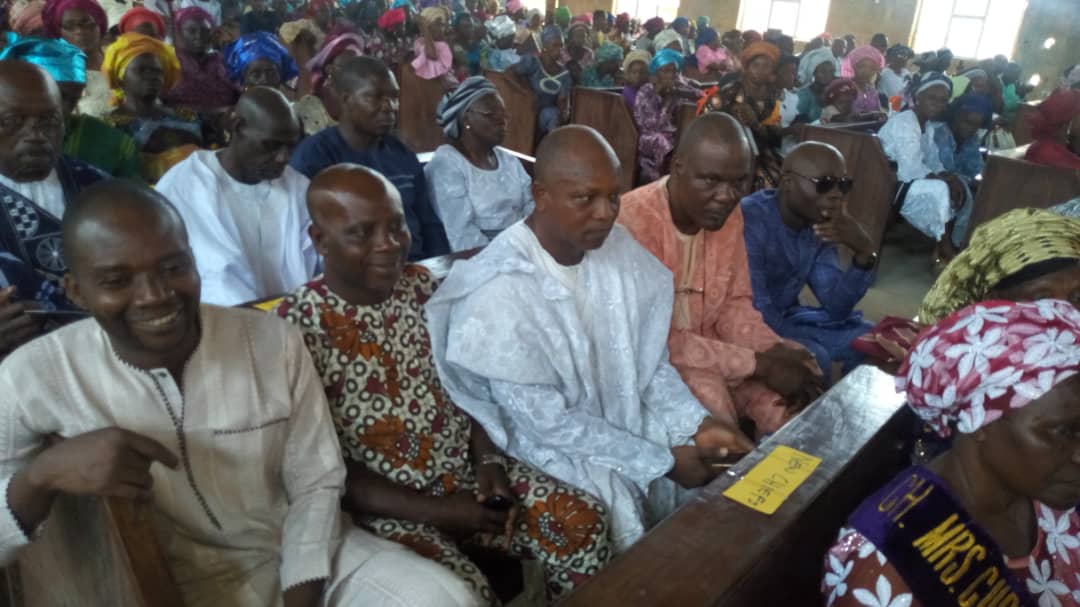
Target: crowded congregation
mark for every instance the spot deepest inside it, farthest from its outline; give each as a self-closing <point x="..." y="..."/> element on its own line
<point x="426" y="303"/>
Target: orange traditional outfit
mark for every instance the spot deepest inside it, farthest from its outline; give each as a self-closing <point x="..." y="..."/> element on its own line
<point x="715" y="330"/>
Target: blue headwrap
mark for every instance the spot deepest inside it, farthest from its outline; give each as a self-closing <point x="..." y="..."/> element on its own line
<point x="977" y="104"/>
<point x="665" y="57"/>
<point x="63" y="61"/>
<point x="258" y="45"/>
<point x="406" y="4"/>
<point x="550" y="34"/>
<point x="706" y="36"/>
<point x="680" y="22"/>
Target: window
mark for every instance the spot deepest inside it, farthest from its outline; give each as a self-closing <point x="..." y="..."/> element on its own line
<point x="973" y="29"/>
<point x="803" y="19"/>
<point x="647" y="9"/>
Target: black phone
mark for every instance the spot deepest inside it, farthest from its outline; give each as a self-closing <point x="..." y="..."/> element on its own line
<point x="498" y="502"/>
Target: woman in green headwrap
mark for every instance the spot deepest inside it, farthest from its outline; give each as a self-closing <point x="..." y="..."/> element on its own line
<point x="602" y="73"/>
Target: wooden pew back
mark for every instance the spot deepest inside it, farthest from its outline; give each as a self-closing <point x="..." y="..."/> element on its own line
<point x="521" y="110"/>
<point x="95" y="552"/>
<point x="607" y="113"/>
<point x="1009" y="184"/>
<point x="870" y="201"/>
<point x="714" y="551"/>
<point x="419" y="99"/>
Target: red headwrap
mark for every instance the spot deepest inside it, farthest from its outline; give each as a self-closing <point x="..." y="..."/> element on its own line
<point x="654" y="25"/>
<point x="54" y="11"/>
<point x="1054" y="112"/>
<point x="623" y="20"/>
<point x="139" y="15"/>
<point x="391" y="18"/>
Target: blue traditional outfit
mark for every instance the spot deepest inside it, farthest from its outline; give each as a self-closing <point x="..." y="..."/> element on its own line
<point x="964" y="158"/>
<point x="549" y="88"/>
<point x="783" y="262"/>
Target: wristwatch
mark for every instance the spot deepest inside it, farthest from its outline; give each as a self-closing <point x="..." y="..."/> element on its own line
<point x="493" y="458"/>
<point x="871" y="266"/>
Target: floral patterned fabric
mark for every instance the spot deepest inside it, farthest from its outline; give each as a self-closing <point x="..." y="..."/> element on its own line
<point x="857" y="574"/>
<point x="391" y="414"/>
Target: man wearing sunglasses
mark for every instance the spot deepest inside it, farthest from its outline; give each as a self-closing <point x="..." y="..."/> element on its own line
<point x="792" y="237"/>
<point x="732" y="361"/>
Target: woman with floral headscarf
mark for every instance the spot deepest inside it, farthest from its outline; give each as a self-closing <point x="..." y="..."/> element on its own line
<point x="992" y="520"/>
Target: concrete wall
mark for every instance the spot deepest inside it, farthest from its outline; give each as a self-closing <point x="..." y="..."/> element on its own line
<point x="1058" y="19"/>
<point x="864" y="18"/>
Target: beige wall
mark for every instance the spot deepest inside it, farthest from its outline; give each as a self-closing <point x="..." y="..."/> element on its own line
<point x="1059" y="19"/>
<point x="864" y="18"/>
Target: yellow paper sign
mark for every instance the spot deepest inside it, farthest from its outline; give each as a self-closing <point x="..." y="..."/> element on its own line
<point x="769" y="483"/>
<point x="268" y="304"/>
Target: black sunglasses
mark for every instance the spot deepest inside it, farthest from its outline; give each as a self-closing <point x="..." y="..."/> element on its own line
<point x="826" y="183"/>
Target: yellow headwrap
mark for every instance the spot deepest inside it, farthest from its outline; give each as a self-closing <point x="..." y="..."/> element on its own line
<point x="131" y="45"/>
<point x="1000" y="248"/>
<point x="432" y="13"/>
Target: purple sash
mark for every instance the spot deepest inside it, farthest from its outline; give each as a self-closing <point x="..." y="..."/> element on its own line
<point x="943" y="555"/>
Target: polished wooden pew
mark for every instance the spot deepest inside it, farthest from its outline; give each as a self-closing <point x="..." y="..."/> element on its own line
<point x="521" y="110"/>
<point x="94" y="552"/>
<point x="1009" y="183"/>
<point x="716" y="552"/>
<point x="607" y="113"/>
<point x="870" y="201"/>
<point x="416" y="112"/>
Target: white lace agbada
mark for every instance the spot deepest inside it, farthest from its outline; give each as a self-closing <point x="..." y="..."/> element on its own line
<point x="567" y="367"/>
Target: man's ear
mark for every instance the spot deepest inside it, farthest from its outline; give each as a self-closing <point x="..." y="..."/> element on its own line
<point x="233" y="124"/>
<point x="71" y="288"/>
<point x="540" y="195"/>
<point x="318" y="238"/>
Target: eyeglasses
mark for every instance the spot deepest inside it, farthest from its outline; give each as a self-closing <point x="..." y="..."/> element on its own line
<point x="826" y="183"/>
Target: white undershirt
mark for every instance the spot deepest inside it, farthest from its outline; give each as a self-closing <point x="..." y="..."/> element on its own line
<point x="47" y="193"/>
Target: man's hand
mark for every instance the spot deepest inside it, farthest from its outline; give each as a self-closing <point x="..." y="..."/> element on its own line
<point x="721" y="439"/>
<point x="463" y="516"/>
<point x="842" y="228"/>
<point x="109" y="462"/>
<point x="491" y="481"/>
<point x="16" y="326"/>
<point x="690" y="469"/>
<point x="786" y="371"/>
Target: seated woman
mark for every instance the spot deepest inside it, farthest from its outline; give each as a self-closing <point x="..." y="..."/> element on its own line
<point x="139" y="69"/>
<point x="712" y="59"/>
<point x="1055" y="127"/>
<point x="932" y="200"/>
<point x="654" y="113"/>
<point x="603" y="73"/>
<point x="816" y="70"/>
<point x="502" y="54"/>
<point x="993" y="515"/>
<point x="635" y="73"/>
<point x="258" y="59"/>
<point x="968" y="119"/>
<point x="204" y="86"/>
<point x="391" y="44"/>
<point x="319" y="109"/>
<point x="840" y="98"/>
<point x="84" y="24"/>
<point x="433" y="57"/>
<point x="576" y="55"/>
<point x="143" y="21"/>
<point x="1023" y="255"/>
<point x="478" y="189"/>
<point x="865" y="64"/>
<point x="893" y="80"/>
<point x="548" y="80"/>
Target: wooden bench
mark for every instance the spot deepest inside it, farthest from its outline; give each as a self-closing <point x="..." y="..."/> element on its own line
<point x="94" y="552"/>
<point x="1009" y="184"/>
<point x="870" y="201"/>
<point x="607" y="113"/>
<point x="714" y="551"/>
<point x="419" y="98"/>
<point x="521" y="110"/>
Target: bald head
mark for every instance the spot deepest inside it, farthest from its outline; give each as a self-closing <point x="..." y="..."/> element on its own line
<point x="713" y="129"/>
<point x="572" y="151"/>
<point x="261" y="105"/>
<point x="29" y="95"/>
<point x="813" y="157"/>
<point x="265" y="130"/>
<point x="348" y="185"/>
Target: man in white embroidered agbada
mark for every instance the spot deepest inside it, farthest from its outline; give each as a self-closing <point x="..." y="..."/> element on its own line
<point x="555" y="339"/>
<point x="215" y="414"/>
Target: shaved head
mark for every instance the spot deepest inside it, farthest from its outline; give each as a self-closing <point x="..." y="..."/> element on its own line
<point x="265" y="130"/>
<point x="714" y="128"/>
<point x="806" y="167"/>
<point x="809" y="156"/>
<point x="712" y="170"/>
<point x="576" y="189"/>
<point x="28" y="92"/>
<point x="359" y="228"/>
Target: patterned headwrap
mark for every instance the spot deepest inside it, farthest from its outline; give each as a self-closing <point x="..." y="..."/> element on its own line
<point x="131" y="45"/>
<point x="666" y="57"/>
<point x="999" y="249"/>
<point x="500" y="27"/>
<point x="139" y="15"/>
<point x="654" y="26"/>
<point x="453" y="105"/>
<point x="609" y="52"/>
<point x="258" y="45"/>
<point x="810" y="62"/>
<point x="840" y="86"/>
<point x="1054" y="112"/>
<point x="391" y="18"/>
<point x="63" y="61"/>
<point x="191" y="13"/>
<point x="758" y="49"/>
<point x="550" y="34"/>
<point x="290" y="30"/>
<point x="665" y="38"/>
<point x="847" y="70"/>
<point x="54" y="11"/>
<point x="706" y="36"/>
<point x="989" y="359"/>
<point x="634" y="56"/>
<point x="973" y="103"/>
<point x="25" y="17"/>
<point x="335" y="47"/>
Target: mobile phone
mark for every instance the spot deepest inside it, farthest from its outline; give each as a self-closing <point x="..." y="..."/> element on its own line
<point x="67" y="315"/>
<point x="498" y="502"/>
